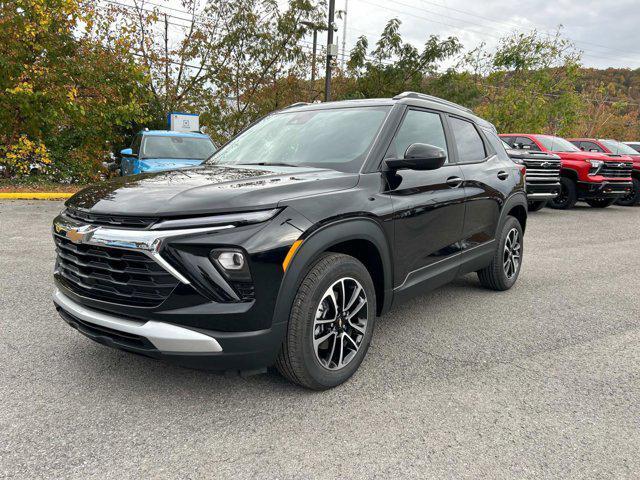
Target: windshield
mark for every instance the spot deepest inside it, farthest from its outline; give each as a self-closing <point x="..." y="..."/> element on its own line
<point x="176" y="147"/>
<point x="618" y="148"/>
<point x="337" y="138"/>
<point x="557" y="144"/>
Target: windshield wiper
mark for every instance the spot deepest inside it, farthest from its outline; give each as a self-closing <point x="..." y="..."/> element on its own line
<point x="275" y="164"/>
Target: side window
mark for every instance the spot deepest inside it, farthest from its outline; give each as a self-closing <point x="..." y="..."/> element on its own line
<point x="496" y="143"/>
<point x="135" y="145"/>
<point x="589" y="147"/>
<point x="418" y="127"/>
<point x="509" y="140"/>
<point x="526" y="143"/>
<point x="468" y="141"/>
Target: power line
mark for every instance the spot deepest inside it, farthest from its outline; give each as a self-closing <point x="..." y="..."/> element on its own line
<point x="513" y="25"/>
<point x="462" y="27"/>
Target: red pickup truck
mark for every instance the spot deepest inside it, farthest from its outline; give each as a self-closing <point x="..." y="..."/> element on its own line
<point x="614" y="149"/>
<point x="596" y="178"/>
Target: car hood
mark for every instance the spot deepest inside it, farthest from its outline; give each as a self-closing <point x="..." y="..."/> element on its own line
<point x="208" y="189"/>
<point x="591" y="155"/>
<point x="531" y="155"/>
<point x="160" y="164"/>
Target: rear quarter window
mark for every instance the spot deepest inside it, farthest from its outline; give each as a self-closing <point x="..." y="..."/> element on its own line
<point x="468" y="141"/>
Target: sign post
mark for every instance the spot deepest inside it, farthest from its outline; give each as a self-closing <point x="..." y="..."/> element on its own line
<point x="183" y="122"/>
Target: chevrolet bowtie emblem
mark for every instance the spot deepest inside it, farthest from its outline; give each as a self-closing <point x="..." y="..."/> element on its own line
<point x="80" y="234"/>
<point x="545" y="164"/>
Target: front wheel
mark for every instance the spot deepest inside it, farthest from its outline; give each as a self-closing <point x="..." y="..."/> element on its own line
<point x="567" y="197"/>
<point x="600" y="202"/>
<point x="537" y="205"/>
<point x="633" y="197"/>
<point x="504" y="269"/>
<point x="331" y="323"/>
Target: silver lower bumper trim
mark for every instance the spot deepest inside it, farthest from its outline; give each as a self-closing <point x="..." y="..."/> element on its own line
<point x="165" y="337"/>
<point x="542" y="195"/>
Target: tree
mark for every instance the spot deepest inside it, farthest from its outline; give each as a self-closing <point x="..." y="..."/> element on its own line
<point x="63" y="95"/>
<point x="531" y="84"/>
<point x="226" y="63"/>
<point x="395" y="66"/>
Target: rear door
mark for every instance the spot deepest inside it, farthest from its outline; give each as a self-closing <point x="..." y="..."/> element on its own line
<point x="428" y="205"/>
<point x="486" y="177"/>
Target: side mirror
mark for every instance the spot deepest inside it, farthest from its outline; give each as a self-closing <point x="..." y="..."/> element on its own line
<point x="127" y="152"/>
<point x="419" y="156"/>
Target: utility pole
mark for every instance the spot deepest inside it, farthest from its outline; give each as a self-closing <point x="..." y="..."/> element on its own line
<point x="331" y="50"/>
<point x="315" y="27"/>
<point x="313" y="59"/>
<point x="344" y="33"/>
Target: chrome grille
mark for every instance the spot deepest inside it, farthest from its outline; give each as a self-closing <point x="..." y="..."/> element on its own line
<point x="616" y="169"/>
<point x="547" y="171"/>
<point x="112" y="274"/>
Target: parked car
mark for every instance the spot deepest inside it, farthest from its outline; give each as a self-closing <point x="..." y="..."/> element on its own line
<point x="542" y="175"/>
<point x="615" y="149"/>
<point x="287" y="244"/>
<point x="634" y="145"/>
<point x="593" y="177"/>
<point x="160" y="150"/>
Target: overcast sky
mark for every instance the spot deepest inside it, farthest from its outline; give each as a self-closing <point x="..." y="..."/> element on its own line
<point x="606" y="31"/>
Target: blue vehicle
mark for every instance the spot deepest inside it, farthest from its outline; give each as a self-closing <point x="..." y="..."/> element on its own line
<point x="159" y="150"/>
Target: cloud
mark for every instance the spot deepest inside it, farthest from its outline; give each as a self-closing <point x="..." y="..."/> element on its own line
<point x="606" y="32"/>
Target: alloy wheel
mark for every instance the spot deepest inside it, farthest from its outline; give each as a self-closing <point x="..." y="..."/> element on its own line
<point x="340" y="323"/>
<point x="512" y="253"/>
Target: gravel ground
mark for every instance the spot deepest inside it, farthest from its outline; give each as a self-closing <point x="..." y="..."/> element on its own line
<point x="541" y="381"/>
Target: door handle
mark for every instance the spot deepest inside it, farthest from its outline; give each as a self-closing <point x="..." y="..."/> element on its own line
<point x="502" y="175"/>
<point x="454" y="182"/>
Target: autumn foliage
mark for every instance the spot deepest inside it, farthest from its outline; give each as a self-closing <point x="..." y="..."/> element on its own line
<point x="79" y="77"/>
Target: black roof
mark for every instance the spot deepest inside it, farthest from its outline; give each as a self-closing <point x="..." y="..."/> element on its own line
<point x="408" y="98"/>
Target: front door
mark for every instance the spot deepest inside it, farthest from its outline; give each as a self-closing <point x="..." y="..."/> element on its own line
<point x="428" y="208"/>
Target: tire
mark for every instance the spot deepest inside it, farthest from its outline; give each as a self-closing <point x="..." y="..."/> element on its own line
<point x="536" y="206"/>
<point x="633" y="198"/>
<point x="317" y="365"/>
<point x="498" y="276"/>
<point x="600" y="202"/>
<point x="567" y="197"/>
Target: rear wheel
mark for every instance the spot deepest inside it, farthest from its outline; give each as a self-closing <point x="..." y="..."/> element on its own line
<point x="600" y="202"/>
<point x="567" y="197"/>
<point x="633" y="198"/>
<point x="537" y="205"/>
<point x="331" y="323"/>
<point x="504" y="269"/>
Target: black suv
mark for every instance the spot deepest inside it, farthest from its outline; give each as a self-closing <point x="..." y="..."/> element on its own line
<point x="284" y="247"/>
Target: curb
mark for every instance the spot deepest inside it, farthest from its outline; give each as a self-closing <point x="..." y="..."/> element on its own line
<point x="35" y="195"/>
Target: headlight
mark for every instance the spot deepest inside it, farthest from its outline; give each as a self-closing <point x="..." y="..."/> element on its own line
<point x="596" y="165"/>
<point x="241" y="218"/>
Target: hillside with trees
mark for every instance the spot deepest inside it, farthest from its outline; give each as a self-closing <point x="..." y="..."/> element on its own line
<point x="78" y="78"/>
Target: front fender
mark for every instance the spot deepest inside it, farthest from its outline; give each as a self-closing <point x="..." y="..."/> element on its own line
<point x="317" y="241"/>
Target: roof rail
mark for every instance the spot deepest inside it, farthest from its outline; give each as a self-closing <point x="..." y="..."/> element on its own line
<point x="297" y="104"/>
<point x="431" y="98"/>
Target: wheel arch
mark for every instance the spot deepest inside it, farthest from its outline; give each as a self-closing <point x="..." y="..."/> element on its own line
<point x="569" y="173"/>
<point x="515" y="206"/>
<point x="362" y="238"/>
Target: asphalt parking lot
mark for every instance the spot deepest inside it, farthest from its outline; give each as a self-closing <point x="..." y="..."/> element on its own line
<point x="540" y="381"/>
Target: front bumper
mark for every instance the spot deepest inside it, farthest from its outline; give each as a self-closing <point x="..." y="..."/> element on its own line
<point x="587" y="190"/>
<point x="190" y="347"/>
<point x="544" y="191"/>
